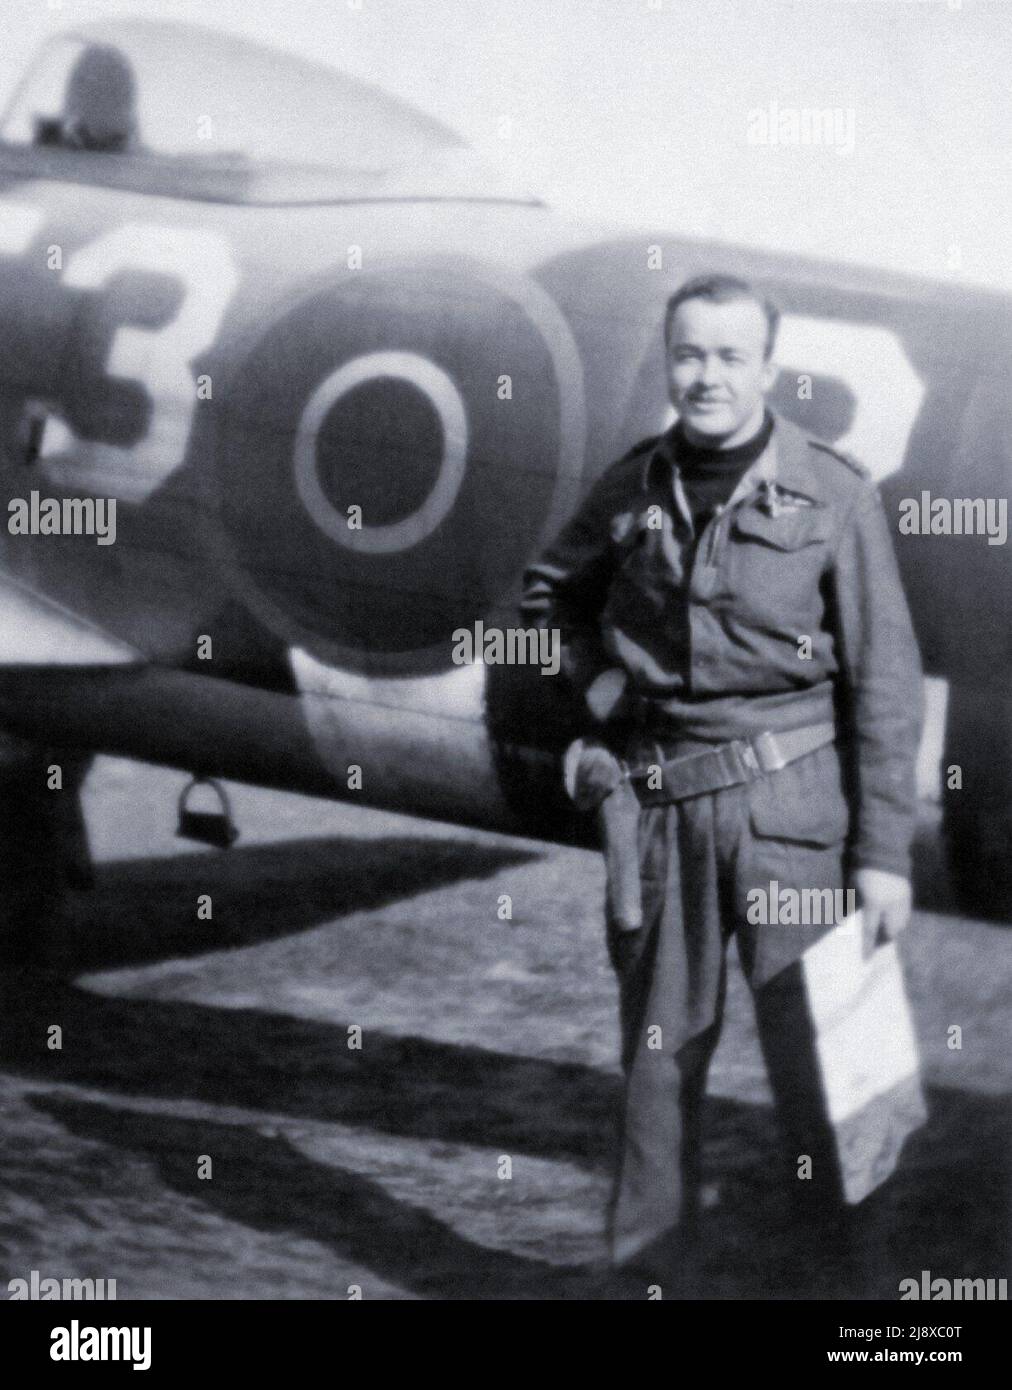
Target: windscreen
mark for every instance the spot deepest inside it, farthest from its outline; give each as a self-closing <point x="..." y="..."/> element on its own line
<point x="185" y="93"/>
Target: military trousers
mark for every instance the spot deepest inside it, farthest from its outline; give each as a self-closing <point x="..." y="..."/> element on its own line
<point x="703" y="861"/>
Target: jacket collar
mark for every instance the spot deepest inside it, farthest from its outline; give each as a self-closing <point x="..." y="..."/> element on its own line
<point x="786" y="460"/>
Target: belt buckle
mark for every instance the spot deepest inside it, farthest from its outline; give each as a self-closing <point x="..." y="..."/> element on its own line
<point x="767" y="752"/>
<point x="745" y="756"/>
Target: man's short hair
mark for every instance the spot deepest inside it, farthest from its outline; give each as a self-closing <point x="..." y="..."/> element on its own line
<point x="721" y="289"/>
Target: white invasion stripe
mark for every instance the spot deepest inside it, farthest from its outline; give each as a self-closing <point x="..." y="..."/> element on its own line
<point x="455" y="694"/>
<point x="17" y="227"/>
<point x="865" y="1035"/>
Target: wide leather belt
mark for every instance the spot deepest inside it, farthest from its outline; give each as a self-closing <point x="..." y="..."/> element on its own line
<point x="726" y="764"/>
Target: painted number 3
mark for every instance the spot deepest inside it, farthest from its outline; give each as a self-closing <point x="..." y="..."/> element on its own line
<point x="159" y="358"/>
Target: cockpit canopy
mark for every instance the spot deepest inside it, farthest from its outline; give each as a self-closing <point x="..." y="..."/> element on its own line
<point x="196" y="112"/>
<point x="202" y="93"/>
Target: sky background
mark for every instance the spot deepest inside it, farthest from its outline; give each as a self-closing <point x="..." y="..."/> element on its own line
<point x="636" y="112"/>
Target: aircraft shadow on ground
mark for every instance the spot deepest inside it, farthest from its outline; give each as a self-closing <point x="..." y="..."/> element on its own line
<point x="411" y="1086"/>
<point x="943" y="1211"/>
<point x="266" y="1184"/>
<point x="144" y="910"/>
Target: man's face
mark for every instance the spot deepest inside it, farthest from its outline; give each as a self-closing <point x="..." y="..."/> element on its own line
<point x="717" y="368"/>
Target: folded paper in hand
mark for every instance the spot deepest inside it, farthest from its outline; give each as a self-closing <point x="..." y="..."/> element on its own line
<point x="867" y="1053"/>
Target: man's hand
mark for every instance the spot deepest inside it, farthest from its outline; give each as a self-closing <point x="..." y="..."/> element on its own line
<point x="591" y="772"/>
<point x="604" y="693"/>
<point x="884" y="900"/>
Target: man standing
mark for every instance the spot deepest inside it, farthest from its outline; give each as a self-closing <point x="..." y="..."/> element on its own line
<point x="732" y="614"/>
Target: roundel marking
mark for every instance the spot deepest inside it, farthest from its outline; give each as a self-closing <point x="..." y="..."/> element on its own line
<point x="440" y="391"/>
<point x="383" y="388"/>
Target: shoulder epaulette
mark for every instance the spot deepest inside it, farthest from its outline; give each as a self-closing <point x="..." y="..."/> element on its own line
<point x="849" y="460"/>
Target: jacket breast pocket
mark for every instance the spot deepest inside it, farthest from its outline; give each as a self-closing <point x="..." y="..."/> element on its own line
<point x="804" y="802"/>
<point x="776" y="562"/>
<point x="794" y="528"/>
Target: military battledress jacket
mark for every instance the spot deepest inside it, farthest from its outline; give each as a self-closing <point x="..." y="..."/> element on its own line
<point x="786" y="611"/>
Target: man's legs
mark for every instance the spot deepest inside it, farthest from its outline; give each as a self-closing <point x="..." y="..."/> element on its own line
<point x="825" y="1245"/>
<point x="671" y="993"/>
<point x="788" y="1040"/>
<point x="772" y="950"/>
<point x="692" y="1064"/>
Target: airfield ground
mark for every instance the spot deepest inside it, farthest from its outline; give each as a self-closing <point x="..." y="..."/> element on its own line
<point x="482" y="1039"/>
